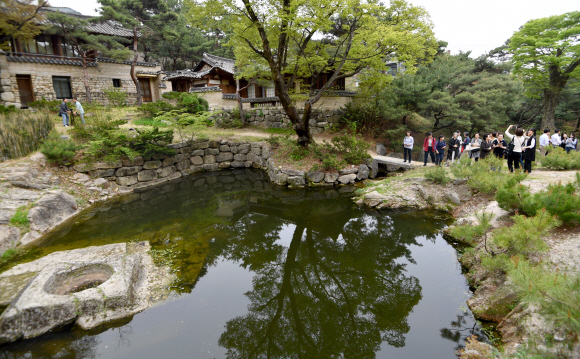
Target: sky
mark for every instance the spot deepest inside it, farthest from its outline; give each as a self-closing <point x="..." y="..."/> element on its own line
<point x="467" y="25"/>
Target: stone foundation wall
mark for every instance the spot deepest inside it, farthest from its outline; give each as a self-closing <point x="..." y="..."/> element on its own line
<point x="275" y="117"/>
<point x="100" y="78"/>
<point x="212" y="155"/>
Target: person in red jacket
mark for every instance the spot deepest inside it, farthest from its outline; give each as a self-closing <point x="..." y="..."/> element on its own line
<point x="429" y="147"/>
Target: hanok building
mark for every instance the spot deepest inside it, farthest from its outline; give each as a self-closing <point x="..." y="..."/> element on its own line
<point x="47" y="67"/>
<point x="213" y="78"/>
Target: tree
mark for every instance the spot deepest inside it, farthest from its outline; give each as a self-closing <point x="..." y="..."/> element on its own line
<point x="135" y="14"/>
<point x="77" y="33"/>
<point x="292" y="40"/>
<point x="546" y="55"/>
<point x="454" y="91"/>
<point x="21" y="19"/>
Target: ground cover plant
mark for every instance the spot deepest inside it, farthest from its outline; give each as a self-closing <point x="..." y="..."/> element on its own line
<point x="558" y="159"/>
<point x="59" y="150"/>
<point x="22" y="132"/>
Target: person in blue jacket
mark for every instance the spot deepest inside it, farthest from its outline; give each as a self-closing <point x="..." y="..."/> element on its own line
<point x="440" y="150"/>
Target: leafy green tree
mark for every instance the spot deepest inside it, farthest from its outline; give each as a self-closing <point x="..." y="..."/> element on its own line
<point x="135" y="14"/>
<point x="84" y="43"/>
<point x="292" y="40"/>
<point x="546" y="55"/>
<point x="21" y="19"/>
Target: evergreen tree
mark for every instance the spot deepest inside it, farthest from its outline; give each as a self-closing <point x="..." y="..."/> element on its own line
<point x="20" y="19"/>
<point x="546" y="55"/>
<point x="77" y="34"/>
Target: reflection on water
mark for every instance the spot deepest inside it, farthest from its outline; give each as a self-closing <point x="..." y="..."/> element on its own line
<point x="264" y="272"/>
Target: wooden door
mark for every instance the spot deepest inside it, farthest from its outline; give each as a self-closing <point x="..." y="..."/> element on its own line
<point x="146" y="89"/>
<point x="25" y="89"/>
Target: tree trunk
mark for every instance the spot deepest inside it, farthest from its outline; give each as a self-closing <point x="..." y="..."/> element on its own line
<point x="240" y="107"/>
<point x="577" y="125"/>
<point x="550" y="101"/>
<point x="86" y="78"/>
<point x="133" y="64"/>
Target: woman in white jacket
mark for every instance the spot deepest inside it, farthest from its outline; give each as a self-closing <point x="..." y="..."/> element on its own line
<point x="519" y="141"/>
<point x="408" y="142"/>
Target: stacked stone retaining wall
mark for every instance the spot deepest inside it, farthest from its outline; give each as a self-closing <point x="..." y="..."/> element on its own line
<point x="275" y="117"/>
<point x="212" y="155"/>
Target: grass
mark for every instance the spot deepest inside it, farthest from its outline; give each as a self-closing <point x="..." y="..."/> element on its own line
<point x="20" y="217"/>
<point x="280" y="131"/>
<point x="150" y="122"/>
<point x="22" y="132"/>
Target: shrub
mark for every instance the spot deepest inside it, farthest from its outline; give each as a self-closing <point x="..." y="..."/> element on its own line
<point x="116" y="96"/>
<point x="560" y="200"/>
<point x="469" y="233"/>
<point x="173" y="95"/>
<point x="558" y="159"/>
<point x="274" y="141"/>
<point x="484" y="176"/>
<point x="352" y="148"/>
<point x="150" y="142"/>
<point x="156" y="108"/>
<point x="6" y="110"/>
<point x="59" y="150"/>
<point x="22" y="132"/>
<point x="438" y="175"/>
<point x="192" y="103"/>
<point x="44" y="104"/>
<point x="511" y="194"/>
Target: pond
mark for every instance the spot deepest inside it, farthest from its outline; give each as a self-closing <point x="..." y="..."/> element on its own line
<point x="267" y="272"/>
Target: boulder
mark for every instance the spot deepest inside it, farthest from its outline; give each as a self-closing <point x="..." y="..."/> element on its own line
<point x="168" y="161"/>
<point x="103" y="173"/>
<point x="374" y="195"/>
<point x="373" y="166"/>
<point x="176" y="146"/>
<point x="127" y="181"/>
<point x="198" y="153"/>
<point x="212" y="151"/>
<point x="296" y="181"/>
<point x="347" y="171"/>
<point x="240" y="157"/>
<point x="182" y="165"/>
<point x="137" y="161"/>
<point x="266" y="153"/>
<point x="381" y="149"/>
<point x="211" y="167"/>
<point x="225" y="148"/>
<point x="51" y="209"/>
<point x="209" y="159"/>
<point x="165" y="171"/>
<point x="196" y="160"/>
<point x="101" y="183"/>
<point x="453" y="197"/>
<point x="224" y="157"/>
<point x="315" y="176"/>
<point x="127" y="171"/>
<point x="330" y="177"/>
<point x="151" y="165"/>
<point x="347" y="178"/>
<point x="81" y="177"/>
<point x="363" y="173"/>
<point x="291" y="172"/>
<point x="281" y="179"/>
<point x="9" y="237"/>
<point x="224" y="165"/>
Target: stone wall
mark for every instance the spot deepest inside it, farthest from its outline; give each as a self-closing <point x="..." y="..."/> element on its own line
<point x="275" y="117"/>
<point x="212" y="155"/>
<point x="100" y="77"/>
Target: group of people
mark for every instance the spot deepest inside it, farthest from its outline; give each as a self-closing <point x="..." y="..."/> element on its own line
<point x="520" y="151"/>
<point x="65" y="112"/>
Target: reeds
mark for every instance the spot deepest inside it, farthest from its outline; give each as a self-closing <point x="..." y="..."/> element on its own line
<point x="22" y="132"/>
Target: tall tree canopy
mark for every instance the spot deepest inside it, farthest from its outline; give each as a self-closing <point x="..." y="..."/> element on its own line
<point x="293" y="39"/>
<point x="136" y="15"/>
<point x="21" y="19"/>
<point x="546" y="55"/>
<point x="84" y="43"/>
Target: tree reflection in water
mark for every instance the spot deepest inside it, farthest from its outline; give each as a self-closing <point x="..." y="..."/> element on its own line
<point x="337" y="290"/>
<point x="459" y="331"/>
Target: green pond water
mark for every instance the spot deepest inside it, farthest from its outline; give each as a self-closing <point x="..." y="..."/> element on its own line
<point x="267" y="272"/>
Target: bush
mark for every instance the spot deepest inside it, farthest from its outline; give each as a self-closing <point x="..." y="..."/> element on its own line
<point x="156" y="108"/>
<point x="116" y="96"/>
<point x="558" y="159"/>
<point x="6" y="110"/>
<point x="59" y="150"/>
<point x="150" y="142"/>
<point x="44" y="104"/>
<point x="469" y="233"/>
<point x="352" y="148"/>
<point x="438" y="174"/>
<point x="484" y="176"/>
<point x="173" y="95"/>
<point x="22" y="132"/>
<point x="511" y="194"/>
<point x="560" y="200"/>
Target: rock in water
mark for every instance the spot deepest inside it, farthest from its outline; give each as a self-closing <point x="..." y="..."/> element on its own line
<point x="51" y="209"/>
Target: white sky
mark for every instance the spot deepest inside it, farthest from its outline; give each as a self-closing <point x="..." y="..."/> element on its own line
<point x="466" y="25"/>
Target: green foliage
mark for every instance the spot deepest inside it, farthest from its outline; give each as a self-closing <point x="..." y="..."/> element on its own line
<point x="511" y="194"/>
<point x="22" y="132"/>
<point x="44" y="104"/>
<point x="558" y="159"/>
<point x="187" y="103"/>
<point x="192" y="103"/>
<point x="352" y="148"/>
<point x="59" y="150"/>
<point x="153" y="122"/>
<point x="484" y="176"/>
<point x="20" y="217"/>
<point x="151" y="109"/>
<point x="469" y="233"/>
<point x="438" y="174"/>
<point x="274" y="141"/>
<point x="116" y="96"/>
<point x="150" y="142"/>
<point x="4" y="110"/>
<point x="173" y="95"/>
<point x="364" y="114"/>
<point x="561" y="200"/>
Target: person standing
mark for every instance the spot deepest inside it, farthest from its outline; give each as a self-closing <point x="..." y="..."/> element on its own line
<point x="429" y="147"/>
<point x="556" y="140"/>
<point x="466" y="141"/>
<point x="475" y="147"/>
<point x="529" y="150"/>
<point x="571" y="143"/>
<point x="544" y="142"/>
<point x="516" y="154"/>
<point x="64" y="112"/>
<point x="564" y="139"/>
<point x="440" y="150"/>
<point x="80" y="109"/>
<point x="408" y="142"/>
<point x="486" y="146"/>
<point x="499" y="146"/>
<point x="454" y="147"/>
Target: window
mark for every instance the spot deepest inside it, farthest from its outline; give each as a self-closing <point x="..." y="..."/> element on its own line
<point x="62" y="87"/>
<point x="252" y="91"/>
<point x="42" y="44"/>
<point x="270" y="92"/>
<point x="116" y="82"/>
